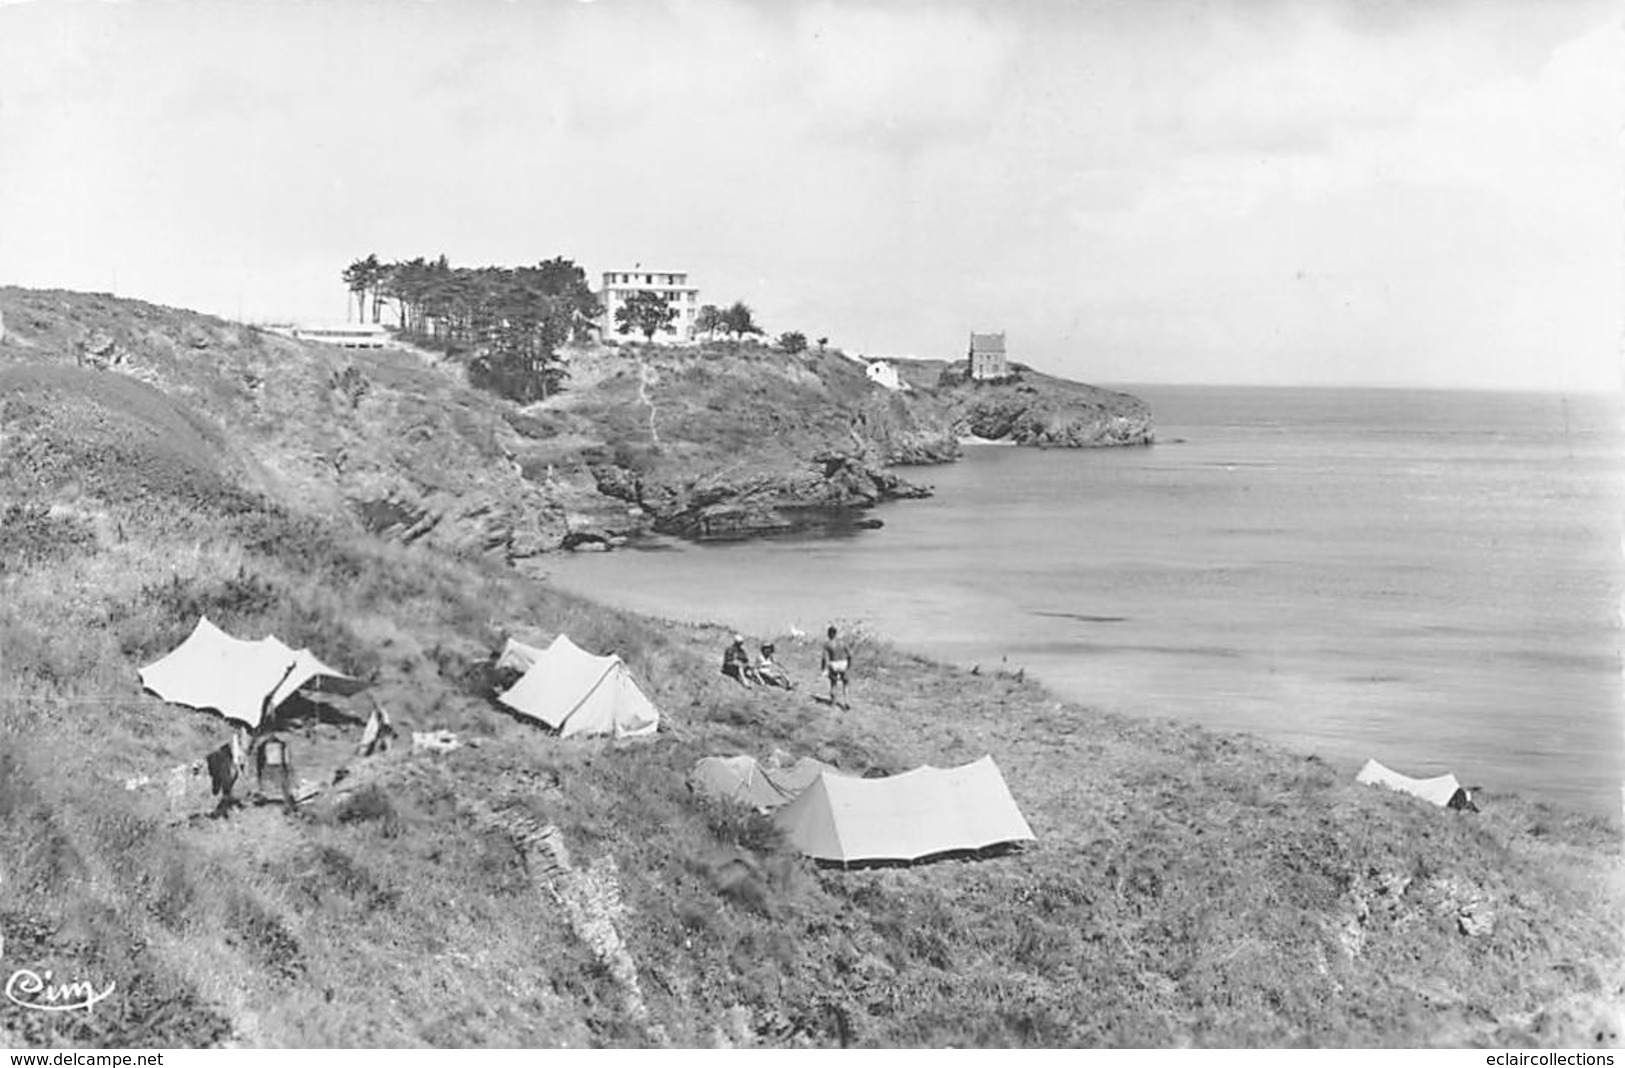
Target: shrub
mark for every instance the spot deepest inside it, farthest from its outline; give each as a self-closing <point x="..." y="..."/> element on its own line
<point x="303" y="543"/>
<point x="174" y="896"/>
<point x="351" y="383"/>
<point x="354" y="881"/>
<point x="30" y="535"/>
<point x="537" y="428"/>
<point x="370" y="804"/>
<point x="742" y="827"/>
<point x="242" y="596"/>
<point x="263" y="937"/>
<point x="640" y="459"/>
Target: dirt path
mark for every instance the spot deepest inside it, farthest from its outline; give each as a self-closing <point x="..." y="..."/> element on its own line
<point x="648" y="376"/>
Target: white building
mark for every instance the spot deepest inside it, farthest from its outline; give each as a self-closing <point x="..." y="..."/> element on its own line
<point x="672" y="286"/>
<point x="345" y="335"/>
<point x="987" y="358"/>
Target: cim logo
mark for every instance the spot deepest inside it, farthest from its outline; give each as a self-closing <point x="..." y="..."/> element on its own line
<point x="32" y="990"/>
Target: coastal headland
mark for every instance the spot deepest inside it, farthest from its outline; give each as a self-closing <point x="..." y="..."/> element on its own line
<point x="1186" y="887"/>
<point x="728" y="439"/>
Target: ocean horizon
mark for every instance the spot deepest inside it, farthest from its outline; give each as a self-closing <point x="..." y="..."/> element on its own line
<point x="1427" y="577"/>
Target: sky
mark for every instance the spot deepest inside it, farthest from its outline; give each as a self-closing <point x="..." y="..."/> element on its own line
<point x="1296" y="192"/>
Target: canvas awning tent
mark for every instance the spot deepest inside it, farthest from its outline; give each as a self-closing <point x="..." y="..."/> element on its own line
<point x="1441" y="790"/>
<point x="750" y="782"/>
<point x="518" y="656"/>
<point x="213" y="670"/>
<point x="575" y="692"/>
<point x="904" y="817"/>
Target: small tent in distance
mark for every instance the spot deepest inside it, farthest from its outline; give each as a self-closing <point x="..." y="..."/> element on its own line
<point x="1442" y="790"/>
<point x="747" y="781"/>
<point x="242" y="680"/>
<point x="517" y="656"/>
<point x="575" y="692"/>
<point x="917" y="814"/>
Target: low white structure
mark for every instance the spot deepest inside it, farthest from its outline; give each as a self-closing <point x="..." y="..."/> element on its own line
<point x="917" y="814"/>
<point x="883" y="374"/>
<point x="345" y="335"/>
<point x="1442" y="790"/>
<point x="575" y="692"/>
<point x="242" y="680"/>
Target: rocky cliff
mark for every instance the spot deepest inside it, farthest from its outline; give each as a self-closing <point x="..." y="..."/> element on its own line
<point x="731" y="441"/>
<point x="1035" y="409"/>
<point x="726" y="440"/>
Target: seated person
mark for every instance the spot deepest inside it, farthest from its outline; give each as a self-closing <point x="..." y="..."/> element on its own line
<point x="736" y="663"/>
<point x="769" y="671"/>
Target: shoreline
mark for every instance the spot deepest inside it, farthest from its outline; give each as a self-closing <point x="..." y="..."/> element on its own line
<point x="1048" y="690"/>
<point x="1101" y="682"/>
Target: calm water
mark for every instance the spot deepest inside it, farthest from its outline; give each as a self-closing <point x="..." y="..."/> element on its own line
<point x="1430" y="578"/>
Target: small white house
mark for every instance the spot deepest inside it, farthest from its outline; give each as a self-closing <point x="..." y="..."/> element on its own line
<point x="883" y="374"/>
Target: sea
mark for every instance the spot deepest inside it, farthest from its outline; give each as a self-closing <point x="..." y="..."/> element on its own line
<point x="1429" y="578"/>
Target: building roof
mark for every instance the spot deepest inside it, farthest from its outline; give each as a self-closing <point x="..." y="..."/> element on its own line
<point x="684" y="287"/>
<point x="987" y="343"/>
<point x="341" y="328"/>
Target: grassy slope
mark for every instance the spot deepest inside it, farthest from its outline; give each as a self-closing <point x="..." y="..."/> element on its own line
<point x="458" y="470"/>
<point x="397" y="438"/>
<point x="1187" y="887"/>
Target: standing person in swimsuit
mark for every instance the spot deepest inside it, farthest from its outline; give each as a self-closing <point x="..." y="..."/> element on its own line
<point x="836" y="662"/>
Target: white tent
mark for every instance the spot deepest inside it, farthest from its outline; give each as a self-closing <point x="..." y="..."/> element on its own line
<point x="575" y="692"/>
<point x="1441" y="790"/>
<point x="904" y="817"/>
<point x="760" y="785"/>
<point x="239" y="679"/>
<point x="518" y="655"/>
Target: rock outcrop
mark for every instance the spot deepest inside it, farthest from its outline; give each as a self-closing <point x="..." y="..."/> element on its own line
<point x="1036" y="409"/>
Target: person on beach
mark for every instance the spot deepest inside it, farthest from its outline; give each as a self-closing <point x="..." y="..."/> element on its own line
<point x="736" y="663"/>
<point x="769" y="671"/>
<point x="836" y="662"/>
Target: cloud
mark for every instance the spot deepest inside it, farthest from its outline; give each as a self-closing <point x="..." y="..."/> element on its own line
<point x="1172" y="190"/>
<point x="900" y="76"/>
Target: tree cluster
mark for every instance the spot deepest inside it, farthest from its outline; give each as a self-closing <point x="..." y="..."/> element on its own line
<point x="510" y="320"/>
<point x="646" y="312"/>
<point x="736" y="320"/>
